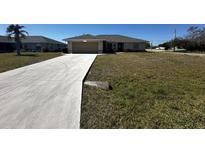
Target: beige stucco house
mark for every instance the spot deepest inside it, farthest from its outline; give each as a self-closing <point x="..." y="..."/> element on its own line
<point x="32" y="43"/>
<point x="104" y="44"/>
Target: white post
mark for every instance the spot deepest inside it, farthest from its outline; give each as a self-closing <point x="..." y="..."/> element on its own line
<point x="100" y="47"/>
<point x="70" y="48"/>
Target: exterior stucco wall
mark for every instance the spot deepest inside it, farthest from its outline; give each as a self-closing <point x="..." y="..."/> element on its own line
<point x="70" y="47"/>
<point x="38" y="46"/>
<point x="80" y="46"/>
<point x="142" y="46"/>
<point x="128" y="46"/>
<point x="134" y="46"/>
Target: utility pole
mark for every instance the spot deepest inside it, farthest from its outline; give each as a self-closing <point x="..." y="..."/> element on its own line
<point x="175" y="35"/>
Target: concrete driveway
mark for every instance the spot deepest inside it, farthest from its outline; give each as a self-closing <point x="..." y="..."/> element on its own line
<point x="44" y="95"/>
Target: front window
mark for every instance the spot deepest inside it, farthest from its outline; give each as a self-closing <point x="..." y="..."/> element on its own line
<point x="114" y="46"/>
<point x="136" y="46"/>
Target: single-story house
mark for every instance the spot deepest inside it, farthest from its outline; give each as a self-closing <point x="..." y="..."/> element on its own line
<point x="32" y="43"/>
<point x="6" y="44"/>
<point x="104" y="43"/>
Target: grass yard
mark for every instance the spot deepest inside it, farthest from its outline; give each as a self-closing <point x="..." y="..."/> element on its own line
<point x="150" y="90"/>
<point x="9" y="61"/>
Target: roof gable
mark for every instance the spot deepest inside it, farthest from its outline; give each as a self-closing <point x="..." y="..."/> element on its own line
<point x="84" y="36"/>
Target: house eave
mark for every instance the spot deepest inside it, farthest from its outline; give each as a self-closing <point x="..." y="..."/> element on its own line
<point x="84" y="40"/>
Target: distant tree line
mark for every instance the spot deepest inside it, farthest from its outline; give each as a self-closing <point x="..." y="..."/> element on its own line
<point x="193" y="41"/>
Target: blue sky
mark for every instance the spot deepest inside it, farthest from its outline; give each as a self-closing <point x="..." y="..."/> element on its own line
<point x="156" y="33"/>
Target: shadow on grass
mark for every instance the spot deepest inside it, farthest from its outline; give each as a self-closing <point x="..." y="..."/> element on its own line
<point x="28" y="55"/>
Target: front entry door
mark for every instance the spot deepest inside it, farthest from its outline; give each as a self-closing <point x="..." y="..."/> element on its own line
<point x="120" y="47"/>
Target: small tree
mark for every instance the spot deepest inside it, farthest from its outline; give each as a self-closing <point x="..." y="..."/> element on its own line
<point x="18" y="33"/>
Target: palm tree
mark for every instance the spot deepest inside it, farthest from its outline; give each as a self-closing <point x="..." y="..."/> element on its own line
<point x="18" y="33"/>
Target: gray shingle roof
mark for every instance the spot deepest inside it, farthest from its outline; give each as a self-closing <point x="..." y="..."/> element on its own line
<point x="119" y="38"/>
<point x="31" y="39"/>
<point x="112" y="38"/>
<point x="4" y="39"/>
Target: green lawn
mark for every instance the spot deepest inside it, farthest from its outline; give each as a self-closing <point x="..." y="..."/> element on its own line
<point x="9" y="61"/>
<point x="150" y="90"/>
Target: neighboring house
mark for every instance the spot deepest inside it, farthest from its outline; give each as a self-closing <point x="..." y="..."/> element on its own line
<point x="32" y="43"/>
<point x="6" y="44"/>
<point x="177" y="49"/>
<point x="104" y="43"/>
<point x="160" y="48"/>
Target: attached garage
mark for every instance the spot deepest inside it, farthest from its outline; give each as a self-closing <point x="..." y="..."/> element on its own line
<point x="84" y="47"/>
